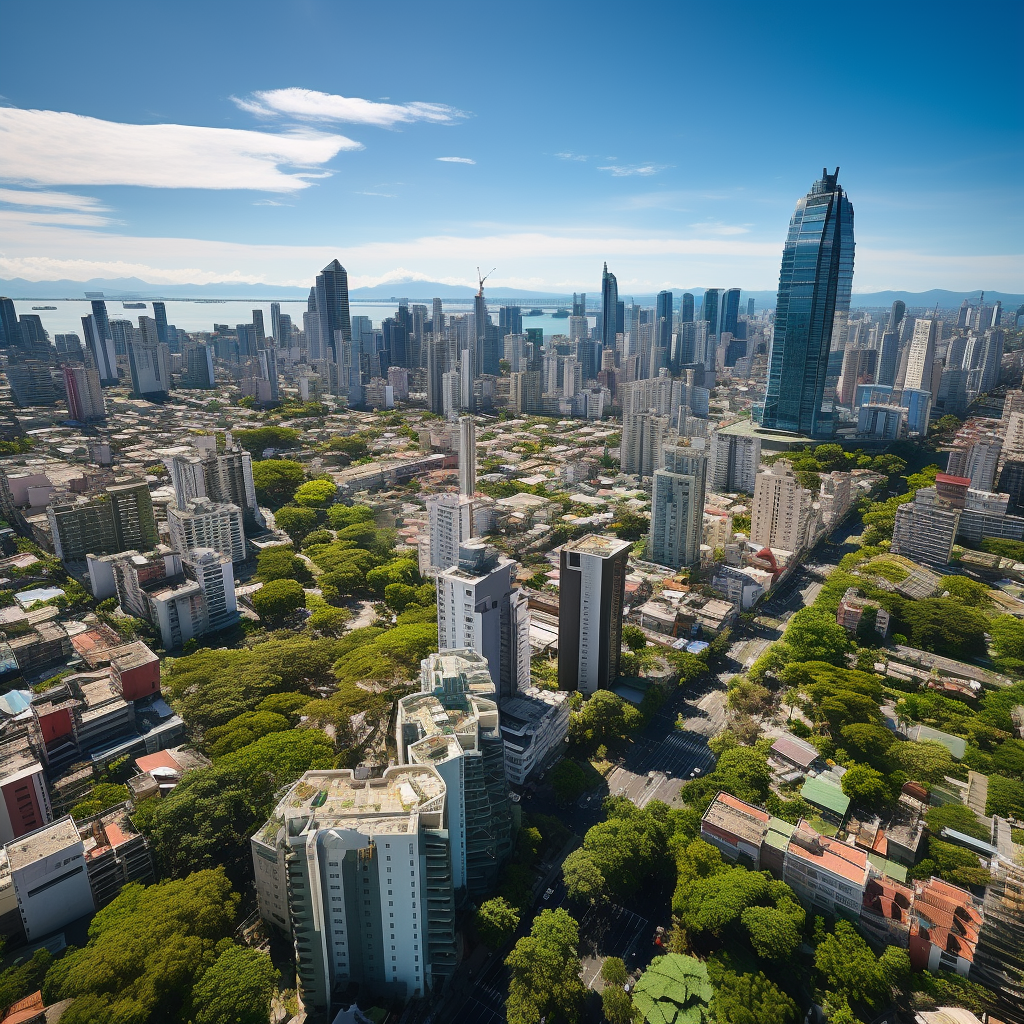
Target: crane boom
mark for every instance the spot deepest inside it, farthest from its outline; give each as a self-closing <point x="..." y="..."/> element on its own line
<point x="484" y="278"/>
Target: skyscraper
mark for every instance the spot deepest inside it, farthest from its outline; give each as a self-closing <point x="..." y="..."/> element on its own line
<point x="922" y="355"/>
<point x="814" y="284"/>
<point x="100" y="345"/>
<point x="677" y="505"/>
<point x="579" y="304"/>
<point x="451" y="524"/>
<point x="275" y="321"/>
<point x="888" y="356"/>
<point x="333" y="311"/>
<point x="10" y="333"/>
<point x="84" y="394"/>
<point x="160" y="316"/>
<point x="592" y="589"/>
<point x="467" y="456"/>
<point x="730" y="311"/>
<point x="710" y="310"/>
<point x="510" y="320"/>
<point x="609" y="308"/>
<point x="686" y="309"/>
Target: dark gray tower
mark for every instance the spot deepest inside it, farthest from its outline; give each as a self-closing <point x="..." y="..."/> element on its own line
<point x="814" y="285"/>
<point x="609" y="308"/>
<point x="686" y="309"/>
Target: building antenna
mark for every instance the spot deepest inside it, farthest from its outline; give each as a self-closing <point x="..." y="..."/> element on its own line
<point x="484" y="278"/>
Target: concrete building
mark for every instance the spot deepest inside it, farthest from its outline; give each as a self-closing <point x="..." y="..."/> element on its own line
<point x="734" y="462"/>
<point x="50" y="879"/>
<point x="358" y="872"/>
<point x="223" y="476"/>
<point x="743" y="586"/>
<point x="782" y="511"/>
<point x="677" y="504"/>
<point x="150" y="365"/>
<point x="31" y="383"/>
<point x="207" y="524"/>
<point x="451" y="524"/>
<point x="828" y="876"/>
<point x="453" y="725"/>
<point x="121" y="520"/>
<point x="83" y="393"/>
<point x="643" y="435"/>
<point x="926" y="528"/>
<point x="26" y="803"/>
<point x="534" y="723"/>
<point x="922" y="355"/>
<point x="852" y="608"/>
<point x="478" y="610"/>
<point x="467" y="456"/>
<point x="592" y="588"/>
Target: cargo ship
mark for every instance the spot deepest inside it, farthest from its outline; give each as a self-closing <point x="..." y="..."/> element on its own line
<point x="134" y="305"/>
<point x="43" y="307"/>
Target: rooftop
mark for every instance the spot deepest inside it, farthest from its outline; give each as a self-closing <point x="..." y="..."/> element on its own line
<point x="603" y="547"/>
<point x="44" y="842"/>
<point x="825" y="794"/>
<point x="741" y="819"/>
<point x="828" y="855"/>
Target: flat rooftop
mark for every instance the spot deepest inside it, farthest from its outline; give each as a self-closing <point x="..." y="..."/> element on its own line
<point x="44" y="842"/>
<point x="603" y="547"/>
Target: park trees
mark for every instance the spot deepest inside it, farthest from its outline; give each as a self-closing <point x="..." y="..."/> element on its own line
<point x="276" y="480"/>
<point x="496" y="922"/>
<point x="674" y="987"/>
<point x="604" y="718"/>
<point x="276" y="600"/>
<point x="544" y="972"/>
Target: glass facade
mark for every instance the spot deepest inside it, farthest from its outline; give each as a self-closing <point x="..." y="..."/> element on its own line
<point x="814" y="286"/>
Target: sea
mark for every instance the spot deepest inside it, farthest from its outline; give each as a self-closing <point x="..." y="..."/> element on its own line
<point x="201" y="316"/>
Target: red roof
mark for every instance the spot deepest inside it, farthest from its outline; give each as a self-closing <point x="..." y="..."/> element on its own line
<point x="25" y="1009"/>
<point x="957" y="481"/>
<point x="161" y="759"/>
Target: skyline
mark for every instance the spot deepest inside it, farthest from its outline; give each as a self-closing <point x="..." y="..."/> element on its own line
<point x="405" y="168"/>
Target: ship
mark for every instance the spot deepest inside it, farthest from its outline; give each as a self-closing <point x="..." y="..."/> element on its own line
<point x="534" y="312"/>
<point x="560" y="314"/>
<point x="134" y="305"/>
<point x="44" y="307"/>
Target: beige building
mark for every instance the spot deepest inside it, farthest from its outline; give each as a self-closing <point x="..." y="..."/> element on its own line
<point x="782" y="513"/>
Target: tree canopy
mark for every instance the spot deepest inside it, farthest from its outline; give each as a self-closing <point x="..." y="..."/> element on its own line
<point x="544" y="972"/>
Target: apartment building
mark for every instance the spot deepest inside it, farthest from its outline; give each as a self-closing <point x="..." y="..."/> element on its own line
<point x="203" y="523"/>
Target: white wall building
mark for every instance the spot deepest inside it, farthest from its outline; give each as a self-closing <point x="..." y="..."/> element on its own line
<point x="735" y="459"/>
<point x="534" y="723"/>
<point x="206" y="524"/>
<point x="782" y="513"/>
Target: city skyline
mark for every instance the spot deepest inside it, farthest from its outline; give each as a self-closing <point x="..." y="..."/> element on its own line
<point x="406" y="169"/>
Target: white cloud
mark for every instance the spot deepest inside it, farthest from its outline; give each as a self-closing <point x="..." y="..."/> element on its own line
<point x="456" y="160"/>
<point x="44" y="268"/>
<point x="718" y="228"/>
<point x="384" y="195"/>
<point x="51" y="200"/>
<point x="571" y="156"/>
<point x="308" y="105"/>
<point x="51" y="147"/>
<point x="628" y="170"/>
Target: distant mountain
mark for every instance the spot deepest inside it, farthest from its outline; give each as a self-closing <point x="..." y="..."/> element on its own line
<point x="134" y="288"/>
<point x="937" y="296"/>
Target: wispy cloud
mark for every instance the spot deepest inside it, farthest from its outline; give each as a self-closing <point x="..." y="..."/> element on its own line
<point x="718" y="228"/>
<point x="51" y="200"/>
<point x="385" y="195"/>
<point x="572" y="156"/>
<point x="52" y="147"/>
<point x="628" y="170"/>
<point x="309" y="105"/>
<point x="456" y="160"/>
<point x="270" y="202"/>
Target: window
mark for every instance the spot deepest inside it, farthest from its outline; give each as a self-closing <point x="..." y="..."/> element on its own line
<point x="391" y="903"/>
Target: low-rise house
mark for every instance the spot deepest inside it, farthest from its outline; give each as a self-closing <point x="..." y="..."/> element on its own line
<point x="854" y="608"/>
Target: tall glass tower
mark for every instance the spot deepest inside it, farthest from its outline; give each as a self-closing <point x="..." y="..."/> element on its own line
<point x="609" y="308"/>
<point x="814" y="285"/>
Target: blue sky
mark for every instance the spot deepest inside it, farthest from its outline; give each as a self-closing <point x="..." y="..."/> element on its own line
<point x="197" y="142"/>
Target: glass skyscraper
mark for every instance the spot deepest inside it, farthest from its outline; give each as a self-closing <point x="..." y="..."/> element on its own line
<point x="814" y="285"/>
<point x="609" y="309"/>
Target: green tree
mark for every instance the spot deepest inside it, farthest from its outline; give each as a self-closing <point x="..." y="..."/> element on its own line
<point x="967" y="591"/>
<point x="276" y="480"/>
<point x="316" y="494"/>
<point x="674" y="988"/>
<point x="280" y="563"/>
<point x="944" y="627"/>
<point x="103" y="795"/>
<point x="296" y="521"/>
<point x="568" y="780"/>
<point x="341" y="516"/>
<point x="773" y="933"/>
<point x="630" y="525"/>
<point x="616" y="1005"/>
<point x="22" y="979"/>
<point x="236" y="988"/>
<point x="276" y="600"/>
<point x="867" y="787"/>
<point x="958" y="817"/>
<point x="613" y="971"/>
<point x="398" y="570"/>
<point x="544" y="972"/>
<point x="259" y="438"/>
<point x="751" y="999"/>
<point x="634" y="637"/>
<point x="496" y="922"/>
<point x="851" y="969"/>
<point x="584" y="881"/>
<point x="604" y="718"/>
<point x="814" y="635"/>
<point x="1007" y="632"/>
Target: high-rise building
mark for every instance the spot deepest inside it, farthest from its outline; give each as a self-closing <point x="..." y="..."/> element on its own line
<point x="150" y="365"/>
<point x="609" y="309"/>
<point x="643" y="434"/>
<point x="69" y="347"/>
<point x="275" y="322"/>
<point x="160" y="316"/>
<point x="510" y="320"/>
<point x="926" y="528"/>
<point x="663" y="320"/>
<point x="478" y="610"/>
<point x="10" y="332"/>
<point x="750" y="309"/>
<point x="782" y="513"/>
<point x="206" y="524"/>
<point x="122" y="520"/>
<point x="592" y="589"/>
<point x="922" y="355"/>
<point x="222" y="476"/>
<point x="31" y="383"/>
<point x="96" y="332"/>
<point x="579" y="304"/>
<point x="999" y="956"/>
<point x="686" y="309"/>
<point x="677" y="504"/>
<point x="467" y="456"/>
<point x="710" y="311"/>
<point x="735" y="459"/>
<point x="334" y="317"/>
<point x="453" y="725"/>
<point x="83" y="391"/>
<point x="730" y="311"/>
<point x="351" y="867"/>
<point x="451" y="525"/>
<point x="814" y="286"/>
<point x="198" y="374"/>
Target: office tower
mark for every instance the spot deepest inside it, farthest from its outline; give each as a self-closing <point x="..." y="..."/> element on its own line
<point x="451" y="393"/>
<point x="663" y="318"/>
<point x="451" y="524"/>
<point x="311" y="327"/>
<point x="997" y="314"/>
<point x="101" y="346"/>
<point x="31" y="383"/>
<point x="84" y="394"/>
<point x="150" y="366"/>
<point x="858" y="368"/>
<point x="32" y="331"/>
<point x="122" y="332"/>
<point x="436" y="351"/>
<point x="887" y="359"/>
<point x="710" y="311"/>
<point x="750" y="309"/>
<point x="257" y="323"/>
<point x="983" y="355"/>
<point x="268" y="370"/>
<point x="730" y="311"/>
<point x="99" y="312"/>
<point x="333" y="314"/>
<point x="467" y="379"/>
<point x="686" y="309"/>
<point x="437" y="317"/>
<point x="579" y="304"/>
<point x="963" y="314"/>
<point x="922" y="355"/>
<point x="206" y="524"/>
<point x="610" y="319"/>
<point x="160" y="316"/>
<point x="814" y="286"/>
<point x="510" y="320"/>
<point x="284" y="322"/>
<point x="477" y="610"/>
<point x="453" y="725"/>
<point x="275" y="322"/>
<point x="677" y="505"/>
<point x="782" y="509"/>
<point x="592" y="588"/>
<point x="198" y="367"/>
<point x="735" y="459"/>
<point x="324" y="854"/>
<point x="68" y="346"/>
<point x="925" y="529"/>
<point x="10" y="332"/>
<point x="982" y="462"/>
<point x="919" y="406"/>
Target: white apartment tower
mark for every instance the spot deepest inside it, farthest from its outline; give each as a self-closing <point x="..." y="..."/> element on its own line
<point x="477" y="610"/>
<point x="677" y="505"/>
<point x="922" y="355"/>
<point x="206" y="524"/>
<point x="451" y="524"/>
<point x="782" y="509"/>
<point x="734" y="462"/>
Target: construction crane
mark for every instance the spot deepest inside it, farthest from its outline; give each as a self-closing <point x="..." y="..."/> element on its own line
<point x="484" y="278"/>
